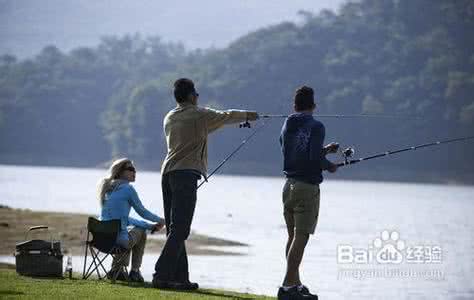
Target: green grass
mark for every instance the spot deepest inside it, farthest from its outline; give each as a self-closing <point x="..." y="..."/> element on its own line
<point x="13" y="286"/>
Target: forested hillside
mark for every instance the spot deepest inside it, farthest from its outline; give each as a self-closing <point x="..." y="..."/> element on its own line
<point x="410" y="58"/>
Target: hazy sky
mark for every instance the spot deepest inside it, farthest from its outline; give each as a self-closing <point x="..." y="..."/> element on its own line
<point x="28" y="25"/>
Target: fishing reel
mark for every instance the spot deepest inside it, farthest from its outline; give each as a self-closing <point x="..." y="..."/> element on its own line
<point x="347" y="154"/>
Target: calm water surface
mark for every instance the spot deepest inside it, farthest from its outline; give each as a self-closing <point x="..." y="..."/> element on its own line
<point x="248" y="209"/>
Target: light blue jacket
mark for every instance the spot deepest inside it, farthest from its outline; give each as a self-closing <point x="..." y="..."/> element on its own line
<point x="117" y="205"/>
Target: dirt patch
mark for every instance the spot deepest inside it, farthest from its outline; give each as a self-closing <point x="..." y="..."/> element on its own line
<point x="71" y="230"/>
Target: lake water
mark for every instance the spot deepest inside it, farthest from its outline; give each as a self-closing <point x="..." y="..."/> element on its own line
<point x="433" y="227"/>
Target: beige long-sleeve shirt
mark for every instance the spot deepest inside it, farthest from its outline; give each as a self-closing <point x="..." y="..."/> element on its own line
<point x="186" y="128"/>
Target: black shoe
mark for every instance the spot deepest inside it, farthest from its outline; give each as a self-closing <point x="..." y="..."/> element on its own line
<point x="136" y="276"/>
<point x="184" y="286"/>
<point x="292" y="294"/>
<point x="121" y="276"/>
<point x="305" y="291"/>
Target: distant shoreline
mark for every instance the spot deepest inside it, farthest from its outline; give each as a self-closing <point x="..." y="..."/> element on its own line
<point x="376" y="175"/>
<point x="70" y="228"/>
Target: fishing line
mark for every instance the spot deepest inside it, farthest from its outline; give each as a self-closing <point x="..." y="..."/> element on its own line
<point x="343" y="116"/>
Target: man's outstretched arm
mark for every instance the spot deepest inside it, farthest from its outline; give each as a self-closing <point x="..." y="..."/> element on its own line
<point x="215" y="119"/>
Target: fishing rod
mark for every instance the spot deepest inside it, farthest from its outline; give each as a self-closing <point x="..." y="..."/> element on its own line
<point x="349" y="152"/>
<point x="340" y="116"/>
<point x="246" y="124"/>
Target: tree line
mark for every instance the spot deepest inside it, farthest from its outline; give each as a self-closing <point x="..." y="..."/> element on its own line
<point x="396" y="57"/>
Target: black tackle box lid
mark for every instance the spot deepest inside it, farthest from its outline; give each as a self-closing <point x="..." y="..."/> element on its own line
<point x="38" y="245"/>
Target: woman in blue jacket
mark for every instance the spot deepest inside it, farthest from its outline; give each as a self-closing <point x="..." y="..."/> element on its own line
<point x="117" y="196"/>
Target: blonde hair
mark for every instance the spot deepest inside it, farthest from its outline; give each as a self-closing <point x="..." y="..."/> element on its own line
<point x="106" y="184"/>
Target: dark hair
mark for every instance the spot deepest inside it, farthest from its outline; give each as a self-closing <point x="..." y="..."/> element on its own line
<point x="304" y="98"/>
<point x="182" y="88"/>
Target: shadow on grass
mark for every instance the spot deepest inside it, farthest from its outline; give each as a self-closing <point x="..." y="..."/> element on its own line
<point x="11" y="293"/>
<point x="220" y="295"/>
<point x="41" y="277"/>
<point x="148" y="285"/>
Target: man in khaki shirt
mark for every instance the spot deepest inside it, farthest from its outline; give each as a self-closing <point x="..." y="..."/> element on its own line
<point x="186" y="128"/>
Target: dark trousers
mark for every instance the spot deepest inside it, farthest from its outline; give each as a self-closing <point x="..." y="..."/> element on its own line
<point x="179" y="200"/>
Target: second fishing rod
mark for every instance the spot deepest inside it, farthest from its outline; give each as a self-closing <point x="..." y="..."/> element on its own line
<point x="347" y="153"/>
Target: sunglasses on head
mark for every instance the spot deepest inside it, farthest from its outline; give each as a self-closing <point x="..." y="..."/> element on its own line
<point x="131" y="169"/>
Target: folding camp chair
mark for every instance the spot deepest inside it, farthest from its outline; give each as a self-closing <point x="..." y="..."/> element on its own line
<point x="104" y="237"/>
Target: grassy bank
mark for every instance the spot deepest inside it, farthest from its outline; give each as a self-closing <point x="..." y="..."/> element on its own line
<point x="13" y="286"/>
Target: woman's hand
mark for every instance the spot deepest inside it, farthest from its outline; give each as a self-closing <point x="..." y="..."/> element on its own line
<point x="158" y="226"/>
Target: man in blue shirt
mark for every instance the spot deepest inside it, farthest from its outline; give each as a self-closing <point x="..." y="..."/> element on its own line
<point x="304" y="159"/>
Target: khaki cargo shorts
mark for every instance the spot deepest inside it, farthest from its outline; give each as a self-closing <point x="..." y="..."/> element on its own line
<point x="301" y="205"/>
